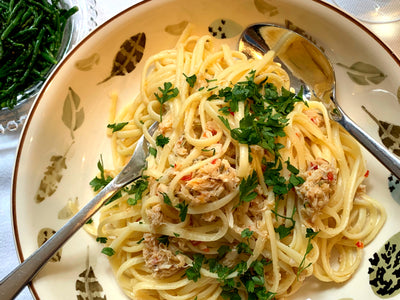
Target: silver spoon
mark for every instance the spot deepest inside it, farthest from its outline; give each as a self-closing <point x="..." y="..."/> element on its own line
<point x="13" y="283"/>
<point x="307" y="66"/>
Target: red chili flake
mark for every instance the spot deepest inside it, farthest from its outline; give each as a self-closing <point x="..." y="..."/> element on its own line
<point x="360" y="245"/>
<point x="298" y="134"/>
<point x="313" y="120"/>
<point x="366" y="173"/>
<point x="187" y="177"/>
<point x="206" y="250"/>
<point x="330" y="176"/>
<point x="213" y="132"/>
<point x="214" y="161"/>
<point x="231" y="112"/>
<point x="195" y="243"/>
<point x="314" y="167"/>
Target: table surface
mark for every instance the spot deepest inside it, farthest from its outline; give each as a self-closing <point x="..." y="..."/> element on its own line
<point x="389" y="33"/>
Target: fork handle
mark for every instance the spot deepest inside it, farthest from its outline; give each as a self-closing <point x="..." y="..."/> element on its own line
<point x="14" y="282"/>
<point x="387" y="158"/>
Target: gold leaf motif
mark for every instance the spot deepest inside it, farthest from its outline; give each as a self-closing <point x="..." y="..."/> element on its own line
<point x="388" y="133"/>
<point x="51" y="178"/>
<point x="87" y="64"/>
<point x="43" y="236"/>
<point x="73" y="114"/>
<point x="128" y="56"/>
<point x="69" y="210"/>
<point x="266" y="8"/>
<point x="87" y="285"/>
<point x="176" y="29"/>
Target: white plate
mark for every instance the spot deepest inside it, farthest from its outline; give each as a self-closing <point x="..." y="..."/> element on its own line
<point x="64" y="134"/>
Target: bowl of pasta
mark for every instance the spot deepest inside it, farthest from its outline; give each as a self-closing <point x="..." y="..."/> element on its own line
<point x="249" y="190"/>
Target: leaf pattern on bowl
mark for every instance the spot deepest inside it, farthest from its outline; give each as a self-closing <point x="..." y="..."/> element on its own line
<point x="176" y="29"/>
<point x="88" y="63"/>
<point x="394" y="187"/>
<point x="45" y="234"/>
<point x="384" y="270"/>
<point x="73" y="114"/>
<point x="363" y="73"/>
<point x="69" y="210"/>
<point x="266" y="8"/>
<point x="389" y="133"/>
<point x="51" y="177"/>
<point x="129" y="55"/>
<point x="87" y="286"/>
<point x="224" y="29"/>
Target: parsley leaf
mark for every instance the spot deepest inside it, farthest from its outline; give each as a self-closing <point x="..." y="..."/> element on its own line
<point x="153" y="151"/>
<point x="183" y="207"/>
<point x="137" y="189"/>
<point x="101" y="239"/>
<point x="162" y="140"/>
<point x="167" y="93"/>
<point x="117" y="126"/>
<point x="98" y="183"/>
<point x="191" y="80"/>
<point x="193" y="273"/>
<point x="246" y="233"/>
<point x="282" y="230"/>
<point x="108" y="251"/>
<point x="167" y="200"/>
<point x="246" y="188"/>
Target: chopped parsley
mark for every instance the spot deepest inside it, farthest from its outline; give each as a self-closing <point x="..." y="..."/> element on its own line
<point x="101" y="239"/>
<point x="193" y="273"/>
<point x="153" y="151"/>
<point x="183" y="208"/>
<point x="108" y="251"/>
<point x="166" y="198"/>
<point x="167" y="93"/>
<point x="191" y="80"/>
<point x="162" y="140"/>
<point x="137" y="189"/>
<point x="246" y="188"/>
<point x="117" y="126"/>
<point x="282" y="230"/>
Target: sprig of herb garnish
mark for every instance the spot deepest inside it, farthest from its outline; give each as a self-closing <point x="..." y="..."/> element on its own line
<point x="117" y="126"/>
<point x="310" y="234"/>
<point x="246" y="188"/>
<point x="108" y="251"/>
<point x="167" y="93"/>
<point x="183" y="209"/>
<point x="282" y="230"/>
<point x="137" y="189"/>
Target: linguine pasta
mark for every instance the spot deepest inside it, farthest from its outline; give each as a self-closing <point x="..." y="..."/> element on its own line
<point x="248" y="189"/>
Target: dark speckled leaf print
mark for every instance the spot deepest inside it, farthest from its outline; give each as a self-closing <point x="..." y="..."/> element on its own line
<point x="384" y="270"/>
<point x="224" y="29"/>
<point x="364" y="74"/>
<point x="87" y="286"/>
<point x="388" y="133"/>
<point x="43" y="236"/>
<point x="128" y="56"/>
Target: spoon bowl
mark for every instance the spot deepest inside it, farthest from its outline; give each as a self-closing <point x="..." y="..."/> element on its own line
<point x="308" y="67"/>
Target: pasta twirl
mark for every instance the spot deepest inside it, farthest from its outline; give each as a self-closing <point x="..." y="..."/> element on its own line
<point x="248" y="189"/>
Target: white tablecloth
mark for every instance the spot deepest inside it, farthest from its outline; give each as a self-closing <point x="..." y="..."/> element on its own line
<point x="389" y="33"/>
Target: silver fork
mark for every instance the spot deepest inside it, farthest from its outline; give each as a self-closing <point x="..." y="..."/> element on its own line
<point x="13" y="283"/>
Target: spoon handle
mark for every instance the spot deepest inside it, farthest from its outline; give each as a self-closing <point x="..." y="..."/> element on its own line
<point x="13" y="283"/>
<point x="387" y="158"/>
